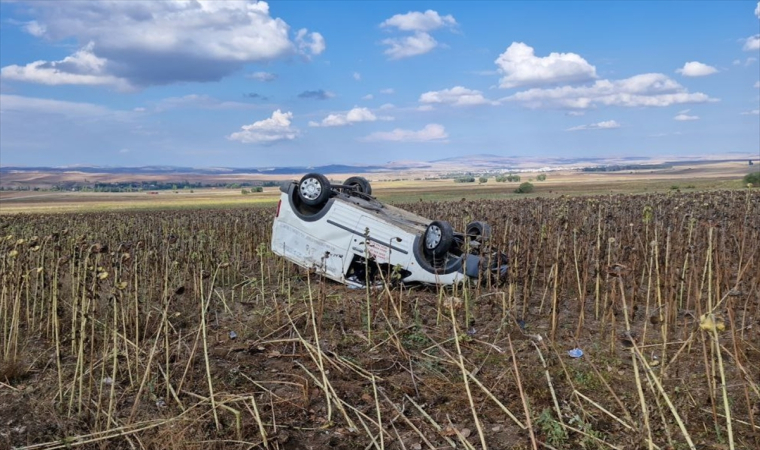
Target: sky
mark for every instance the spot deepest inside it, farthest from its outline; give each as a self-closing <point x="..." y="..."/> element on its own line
<point x="198" y="83"/>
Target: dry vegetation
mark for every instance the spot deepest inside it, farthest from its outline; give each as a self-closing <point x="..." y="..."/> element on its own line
<point x="179" y="329"/>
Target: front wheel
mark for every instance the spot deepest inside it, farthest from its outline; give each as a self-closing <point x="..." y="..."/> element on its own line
<point x="439" y="236"/>
<point x="314" y="189"/>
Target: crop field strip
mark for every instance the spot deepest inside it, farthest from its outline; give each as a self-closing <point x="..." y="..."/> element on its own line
<point x="180" y="330"/>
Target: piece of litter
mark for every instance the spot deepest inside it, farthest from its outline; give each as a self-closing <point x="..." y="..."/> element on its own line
<point x="233" y="335"/>
<point x="108" y="381"/>
<point x="575" y="353"/>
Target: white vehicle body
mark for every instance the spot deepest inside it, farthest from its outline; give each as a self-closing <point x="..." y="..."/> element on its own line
<point x="340" y="238"/>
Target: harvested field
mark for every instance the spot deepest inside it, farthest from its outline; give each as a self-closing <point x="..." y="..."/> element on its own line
<point x="179" y="329"/>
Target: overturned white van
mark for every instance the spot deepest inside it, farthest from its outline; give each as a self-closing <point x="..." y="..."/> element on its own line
<point x="346" y="234"/>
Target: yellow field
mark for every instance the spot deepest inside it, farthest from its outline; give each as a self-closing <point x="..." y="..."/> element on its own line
<point x="405" y="189"/>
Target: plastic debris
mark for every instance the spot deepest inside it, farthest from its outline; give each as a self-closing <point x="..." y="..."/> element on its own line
<point x="108" y="381"/>
<point x="233" y="335"/>
<point x="575" y="353"/>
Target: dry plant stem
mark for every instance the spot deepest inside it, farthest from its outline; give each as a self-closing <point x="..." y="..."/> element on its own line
<point x="612" y="392"/>
<point x="555" y="282"/>
<point x="205" y="304"/>
<point x="716" y="343"/>
<point x="379" y="417"/>
<point x="665" y="396"/>
<point x="409" y="422"/>
<point x="639" y="388"/>
<point x="581" y="294"/>
<point x="597" y="269"/>
<point x="318" y="360"/>
<point x="465" y="443"/>
<point x="100" y="436"/>
<point x="522" y="396"/>
<point x="433" y="423"/>
<point x="466" y="381"/>
<point x="549" y="383"/>
<point x="146" y="374"/>
<point x="482" y="387"/>
<point x="602" y="409"/>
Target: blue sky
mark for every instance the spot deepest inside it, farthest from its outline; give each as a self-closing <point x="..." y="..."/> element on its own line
<point x="255" y="84"/>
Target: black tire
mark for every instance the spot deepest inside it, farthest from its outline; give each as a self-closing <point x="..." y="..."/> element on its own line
<point x="438" y="238"/>
<point x="359" y="184"/>
<point x="479" y="231"/>
<point x="314" y="189"/>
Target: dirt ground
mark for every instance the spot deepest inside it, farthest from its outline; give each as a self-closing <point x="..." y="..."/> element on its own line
<point x="198" y="337"/>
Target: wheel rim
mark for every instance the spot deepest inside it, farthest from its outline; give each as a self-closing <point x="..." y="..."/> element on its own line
<point x="433" y="237"/>
<point x="311" y="188"/>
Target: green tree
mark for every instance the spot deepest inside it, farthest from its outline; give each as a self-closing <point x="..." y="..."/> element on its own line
<point x="245" y="191"/>
<point x="525" y="188"/>
<point x="483" y="179"/>
<point x="541" y="177"/>
<point x="753" y="179"/>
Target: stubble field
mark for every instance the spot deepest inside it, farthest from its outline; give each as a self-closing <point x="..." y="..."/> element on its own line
<point x="179" y="329"/>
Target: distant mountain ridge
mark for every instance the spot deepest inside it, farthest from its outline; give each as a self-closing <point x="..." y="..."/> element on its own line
<point x="459" y="163"/>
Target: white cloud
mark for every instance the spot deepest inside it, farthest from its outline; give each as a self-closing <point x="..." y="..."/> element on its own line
<point x="387" y="91"/>
<point x="274" y="129"/>
<point x="605" y="125"/>
<point x="420" y="42"/>
<point x="34" y="28"/>
<point x="754" y="112"/>
<point x="418" y="21"/>
<point x="197" y="101"/>
<point x="430" y="133"/>
<point x="757" y="10"/>
<point x="310" y="43"/>
<point x="262" y="76"/>
<point x="368" y="97"/>
<point x="675" y="133"/>
<point x="685" y="117"/>
<point x="417" y="44"/>
<point x="650" y="89"/>
<point x="752" y="43"/>
<point x="387" y="106"/>
<point x="521" y="67"/>
<point x="737" y="62"/>
<point x="357" y="76"/>
<point x="576" y="113"/>
<point x="425" y="108"/>
<point x="696" y="69"/>
<point x="355" y="115"/>
<point x="757" y="84"/>
<point x="83" y="67"/>
<point x="156" y="43"/>
<point x="16" y="103"/>
<point x="457" y="96"/>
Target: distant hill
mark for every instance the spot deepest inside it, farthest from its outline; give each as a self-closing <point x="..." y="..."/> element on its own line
<point x="52" y="176"/>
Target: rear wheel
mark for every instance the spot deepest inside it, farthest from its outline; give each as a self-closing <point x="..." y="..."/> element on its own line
<point x="359" y="184"/>
<point x="479" y="231"/>
<point x="314" y="189"/>
<point x="438" y="238"/>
